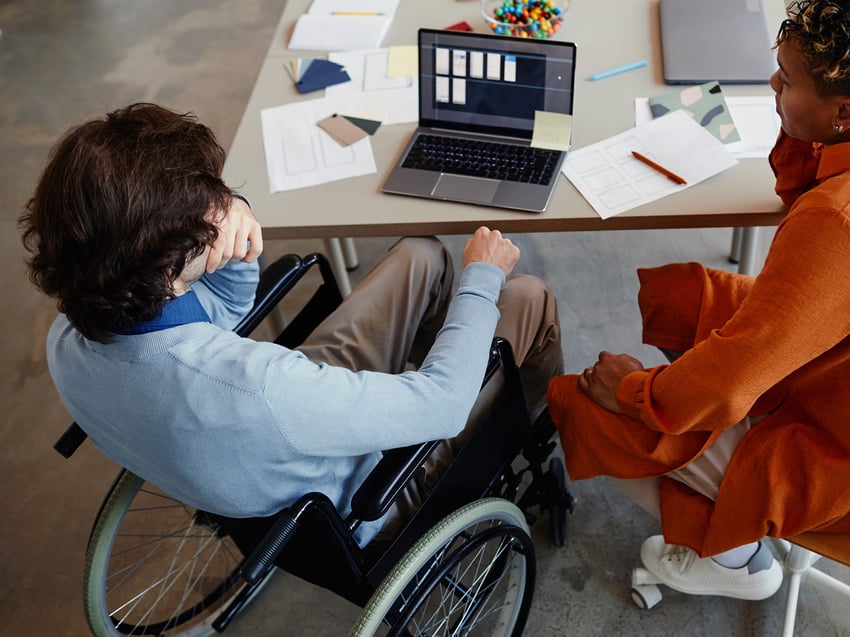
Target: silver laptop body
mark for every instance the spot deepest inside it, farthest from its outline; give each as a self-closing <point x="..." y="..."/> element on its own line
<point x="485" y="88"/>
<point x="723" y="40"/>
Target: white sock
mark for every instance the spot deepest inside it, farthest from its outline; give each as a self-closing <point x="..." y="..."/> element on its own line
<point x="737" y="557"/>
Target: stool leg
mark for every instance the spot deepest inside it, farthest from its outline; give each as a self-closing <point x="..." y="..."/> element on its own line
<point x="797" y="563"/>
<point x="791" y="604"/>
<point x="825" y="582"/>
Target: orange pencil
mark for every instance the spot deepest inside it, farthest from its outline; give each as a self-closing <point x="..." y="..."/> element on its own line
<point x="659" y="168"/>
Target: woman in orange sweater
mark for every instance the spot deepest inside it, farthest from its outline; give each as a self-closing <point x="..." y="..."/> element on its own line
<point x="747" y="432"/>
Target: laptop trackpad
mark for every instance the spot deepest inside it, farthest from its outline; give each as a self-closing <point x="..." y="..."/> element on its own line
<point x="460" y="188"/>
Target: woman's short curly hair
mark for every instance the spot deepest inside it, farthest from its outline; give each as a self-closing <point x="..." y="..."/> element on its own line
<point x="822" y="30"/>
<point x="124" y="202"/>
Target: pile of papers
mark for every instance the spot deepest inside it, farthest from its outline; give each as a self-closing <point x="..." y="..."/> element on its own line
<point x="693" y="132"/>
<point x="311" y="142"/>
<point x="342" y="25"/>
<point x="308" y="143"/>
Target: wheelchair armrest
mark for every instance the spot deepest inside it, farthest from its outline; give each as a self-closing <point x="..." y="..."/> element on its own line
<point x="383" y="484"/>
<point x="276" y="279"/>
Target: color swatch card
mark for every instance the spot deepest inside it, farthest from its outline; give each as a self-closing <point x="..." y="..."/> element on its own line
<point x="705" y="103"/>
<point x="316" y="74"/>
<point x="370" y="126"/>
<point x="345" y="129"/>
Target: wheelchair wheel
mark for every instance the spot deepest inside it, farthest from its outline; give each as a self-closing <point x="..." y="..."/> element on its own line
<point x="471" y="574"/>
<point x="155" y="566"/>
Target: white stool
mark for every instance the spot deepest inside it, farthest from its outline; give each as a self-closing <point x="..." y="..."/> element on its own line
<point x="800" y="555"/>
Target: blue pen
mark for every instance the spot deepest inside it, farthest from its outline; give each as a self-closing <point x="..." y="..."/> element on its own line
<point x="617" y="70"/>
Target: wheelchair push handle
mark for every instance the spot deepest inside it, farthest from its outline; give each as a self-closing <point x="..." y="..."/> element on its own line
<point x="261" y="561"/>
<point x="258" y="564"/>
<point x="70" y="441"/>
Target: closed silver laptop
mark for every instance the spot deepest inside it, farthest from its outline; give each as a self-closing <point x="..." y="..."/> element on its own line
<point x="477" y="100"/>
<point x="723" y="40"/>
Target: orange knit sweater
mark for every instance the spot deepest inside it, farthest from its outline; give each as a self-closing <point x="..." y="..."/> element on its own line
<point x="775" y="345"/>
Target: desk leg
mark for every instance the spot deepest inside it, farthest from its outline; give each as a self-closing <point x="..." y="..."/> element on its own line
<point x="349" y="252"/>
<point x="334" y="250"/>
<point x="748" y="249"/>
<point x="735" y="249"/>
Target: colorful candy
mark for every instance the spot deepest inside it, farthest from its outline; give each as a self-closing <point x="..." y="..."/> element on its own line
<point x="527" y="18"/>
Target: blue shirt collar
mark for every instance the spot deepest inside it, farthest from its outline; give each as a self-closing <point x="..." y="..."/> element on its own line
<point x="180" y="310"/>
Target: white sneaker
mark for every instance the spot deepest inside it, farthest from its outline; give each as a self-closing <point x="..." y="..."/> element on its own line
<point x="683" y="570"/>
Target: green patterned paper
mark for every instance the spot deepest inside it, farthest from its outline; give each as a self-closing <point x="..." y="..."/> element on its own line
<point x="705" y="104"/>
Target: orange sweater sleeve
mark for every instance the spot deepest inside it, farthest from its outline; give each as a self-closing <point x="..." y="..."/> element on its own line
<point x="796" y="309"/>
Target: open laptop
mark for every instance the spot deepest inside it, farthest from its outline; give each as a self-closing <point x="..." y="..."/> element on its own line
<point x="723" y="40"/>
<point x="477" y="99"/>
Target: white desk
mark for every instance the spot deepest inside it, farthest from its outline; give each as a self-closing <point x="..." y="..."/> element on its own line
<point x="607" y="33"/>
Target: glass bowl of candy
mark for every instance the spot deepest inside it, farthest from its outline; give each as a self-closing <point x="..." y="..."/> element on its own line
<point x="524" y="18"/>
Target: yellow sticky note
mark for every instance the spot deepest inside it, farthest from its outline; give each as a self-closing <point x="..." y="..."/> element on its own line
<point x="403" y="61"/>
<point x="553" y="131"/>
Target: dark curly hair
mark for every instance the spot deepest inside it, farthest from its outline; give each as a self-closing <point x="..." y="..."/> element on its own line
<point x="124" y="202"/>
<point x="822" y="29"/>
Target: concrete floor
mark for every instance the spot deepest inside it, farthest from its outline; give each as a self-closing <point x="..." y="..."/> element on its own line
<point x="61" y="62"/>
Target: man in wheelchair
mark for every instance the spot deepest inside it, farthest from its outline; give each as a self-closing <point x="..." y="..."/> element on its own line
<point x="153" y="260"/>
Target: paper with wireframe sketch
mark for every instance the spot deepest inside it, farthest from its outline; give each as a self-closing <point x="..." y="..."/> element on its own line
<point x="613" y="181"/>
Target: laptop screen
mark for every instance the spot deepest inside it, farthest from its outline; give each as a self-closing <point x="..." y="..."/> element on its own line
<point x="492" y="84"/>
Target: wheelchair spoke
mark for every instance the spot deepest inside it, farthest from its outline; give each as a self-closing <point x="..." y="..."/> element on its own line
<point x="164" y="583"/>
<point x="467" y="587"/>
<point x="466" y="600"/>
<point x="481" y="590"/>
<point x="169" y="568"/>
<point x="158" y="544"/>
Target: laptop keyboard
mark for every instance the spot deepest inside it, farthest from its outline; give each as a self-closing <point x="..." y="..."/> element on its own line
<point x="483" y="159"/>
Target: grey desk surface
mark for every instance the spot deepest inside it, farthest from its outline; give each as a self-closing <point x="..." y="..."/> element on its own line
<point x="607" y="33"/>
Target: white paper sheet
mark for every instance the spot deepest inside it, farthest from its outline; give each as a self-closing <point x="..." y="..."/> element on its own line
<point x="755" y="118"/>
<point x="324" y="32"/>
<point x="384" y="7"/>
<point x="613" y="181"/>
<point x="394" y="100"/>
<point x="300" y="154"/>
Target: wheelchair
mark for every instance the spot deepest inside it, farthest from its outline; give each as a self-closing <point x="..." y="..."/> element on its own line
<point x="463" y="565"/>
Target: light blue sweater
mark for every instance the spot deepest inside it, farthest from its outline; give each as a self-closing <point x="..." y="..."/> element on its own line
<point x="243" y="428"/>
